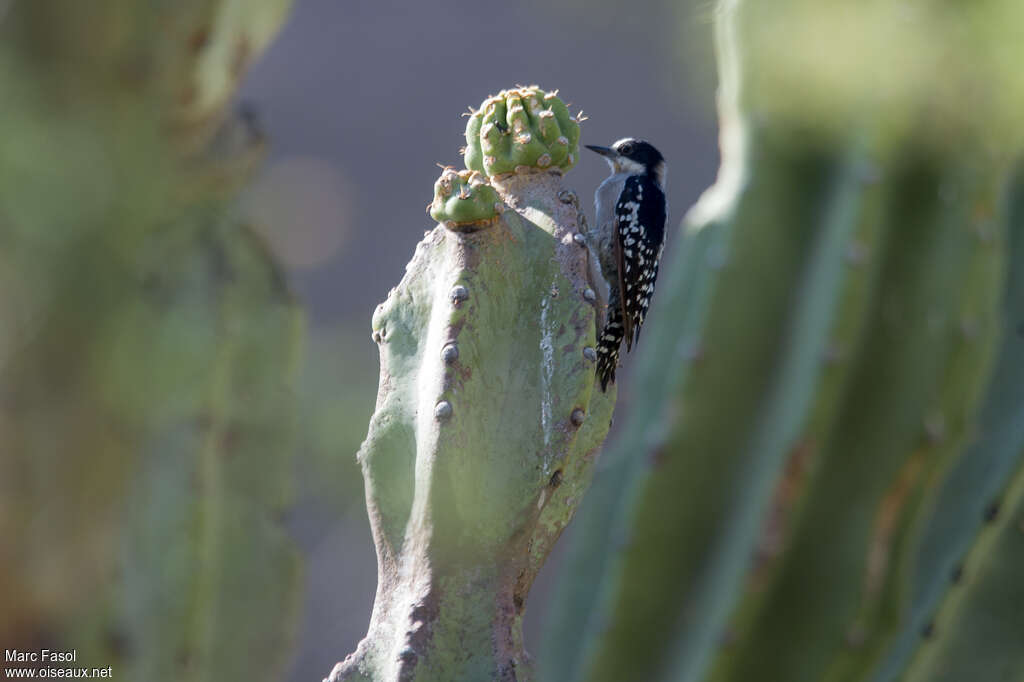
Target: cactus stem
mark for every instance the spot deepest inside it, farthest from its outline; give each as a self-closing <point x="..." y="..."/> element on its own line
<point x="472" y="572"/>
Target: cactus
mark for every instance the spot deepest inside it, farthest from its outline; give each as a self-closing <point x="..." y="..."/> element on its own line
<point x="464" y="200"/>
<point x="976" y="633"/>
<point x="487" y="421"/>
<point x="147" y="366"/>
<point x="973" y="496"/>
<point x="520" y="129"/>
<point x="817" y="364"/>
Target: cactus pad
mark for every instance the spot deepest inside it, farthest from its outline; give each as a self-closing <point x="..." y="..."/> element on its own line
<point x="521" y="130"/>
<point x="464" y="201"/>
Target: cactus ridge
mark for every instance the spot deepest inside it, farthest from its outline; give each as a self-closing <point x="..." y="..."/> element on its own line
<point x="915" y="436"/>
<point x="964" y="500"/>
<point x="975" y="633"/>
<point x="712" y="355"/>
<point x="854" y="251"/>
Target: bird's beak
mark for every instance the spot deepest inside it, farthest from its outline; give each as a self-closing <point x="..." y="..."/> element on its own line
<point x="607" y="152"/>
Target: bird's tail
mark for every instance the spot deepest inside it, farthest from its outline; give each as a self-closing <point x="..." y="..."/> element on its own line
<point x="608" y="347"/>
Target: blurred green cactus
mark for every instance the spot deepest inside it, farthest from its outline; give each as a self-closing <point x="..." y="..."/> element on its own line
<point x="486" y="429"/>
<point x="817" y="393"/>
<point x="147" y="359"/>
<point x="522" y="128"/>
<point x="954" y="633"/>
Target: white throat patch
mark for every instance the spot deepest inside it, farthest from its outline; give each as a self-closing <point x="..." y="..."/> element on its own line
<point x="624" y="165"/>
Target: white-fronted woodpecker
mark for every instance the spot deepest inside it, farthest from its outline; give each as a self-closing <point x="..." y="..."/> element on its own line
<point x="629" y="238"/>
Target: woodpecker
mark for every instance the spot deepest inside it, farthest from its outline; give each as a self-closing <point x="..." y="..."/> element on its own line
<point x="629" y="238"/>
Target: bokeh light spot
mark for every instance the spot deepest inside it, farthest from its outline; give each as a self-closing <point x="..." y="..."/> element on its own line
<point x="303" y="207"/>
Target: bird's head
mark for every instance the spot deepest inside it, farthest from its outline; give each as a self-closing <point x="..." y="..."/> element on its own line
<point x="636" y="157"/>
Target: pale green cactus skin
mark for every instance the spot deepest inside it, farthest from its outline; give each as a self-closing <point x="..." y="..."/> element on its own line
<point x="957" y="539"/>
<point x="484" y="438"/>
<point x="519" y="129"/>
<point x="464" y="200"/>
<point x="145" y="452"/>
<point x="820" y="358"/>
<point x="976" y="633"/>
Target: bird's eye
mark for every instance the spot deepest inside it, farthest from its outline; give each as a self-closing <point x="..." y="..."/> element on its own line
<point x="626" y="149"/>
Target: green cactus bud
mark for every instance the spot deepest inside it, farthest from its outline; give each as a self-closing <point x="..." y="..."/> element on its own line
<point x="522" y="130"/>
<point x="464" y="201"/>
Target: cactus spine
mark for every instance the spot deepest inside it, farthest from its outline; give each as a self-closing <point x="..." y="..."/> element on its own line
<point x="488" y="418"/>
<point x="822" y="347"/>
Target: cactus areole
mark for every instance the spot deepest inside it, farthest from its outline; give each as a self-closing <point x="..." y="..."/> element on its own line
<point x="488" y="419"/>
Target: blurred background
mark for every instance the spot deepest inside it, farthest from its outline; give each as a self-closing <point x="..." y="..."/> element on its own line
<point x="359" y="101"/>
<point x="156" y="276"/>
<point x="202" y="202"/>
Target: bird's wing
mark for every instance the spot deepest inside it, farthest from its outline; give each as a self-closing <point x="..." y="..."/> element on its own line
<point x="640" y="237"/>
<point x="620" y="269"/>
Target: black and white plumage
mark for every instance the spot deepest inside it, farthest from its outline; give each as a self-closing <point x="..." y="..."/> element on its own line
<point x="628" y="239"/>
